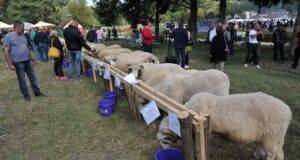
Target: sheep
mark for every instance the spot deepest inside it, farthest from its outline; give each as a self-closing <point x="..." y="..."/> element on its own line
<point x="106" y="52"/>
<point x="182" y="86"/>
<point x="115" y="46"/>
<point x="244" y="118"/>
<point x="147" y="70"/>
<point x="123" y="61"/>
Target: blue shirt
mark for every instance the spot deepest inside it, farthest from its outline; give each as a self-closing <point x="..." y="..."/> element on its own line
<point x="18" y="46"/>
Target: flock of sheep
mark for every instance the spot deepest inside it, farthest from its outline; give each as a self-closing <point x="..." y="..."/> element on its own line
<point x="241" y="118"/>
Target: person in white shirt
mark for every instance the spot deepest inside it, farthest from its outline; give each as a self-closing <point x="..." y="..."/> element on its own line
<point x="253" y="46"/>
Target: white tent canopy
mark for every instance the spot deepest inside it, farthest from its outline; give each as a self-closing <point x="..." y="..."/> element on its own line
<point x="27" y="25"/>
<point x="43" y="24"/>
<point x="5" y="26"/>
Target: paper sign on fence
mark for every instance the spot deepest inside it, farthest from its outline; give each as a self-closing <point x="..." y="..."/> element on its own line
<point x="150" y="112"/>
<point x="174" y="124"/>
<point x="130" y="78"/>
<point x="117" y="81"/>
<point x="106" y="74"/>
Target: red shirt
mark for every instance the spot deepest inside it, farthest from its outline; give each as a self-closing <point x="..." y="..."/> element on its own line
<point x="147" y="36"/>
<point x="298" y="40"/>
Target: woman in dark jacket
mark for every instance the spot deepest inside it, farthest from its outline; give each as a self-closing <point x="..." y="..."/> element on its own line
<point x="58" y="62"/>
<point x="219" y="49"/>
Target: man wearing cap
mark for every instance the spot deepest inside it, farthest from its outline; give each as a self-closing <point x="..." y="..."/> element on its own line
<point x="18" y="58"/>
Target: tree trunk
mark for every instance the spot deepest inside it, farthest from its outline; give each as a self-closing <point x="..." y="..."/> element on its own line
<point x="296" y="30"/>
<point x="157" y="21"/>
<point x="194" y="19"/>
<point x="222" y="11"/>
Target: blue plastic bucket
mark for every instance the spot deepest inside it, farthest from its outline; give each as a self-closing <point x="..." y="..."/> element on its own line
<point x="169" y="154"/>
<point x="111" y="95"/>
<point x="65" y="63"/>
<point x="106" y="107"/>
<point x="89" y="72"/>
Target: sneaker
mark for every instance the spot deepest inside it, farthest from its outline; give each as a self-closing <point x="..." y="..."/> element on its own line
<point x="257" y="66"/>
<point x="246" y="65"/>
<point x="40" y="95"/>
<point x="77" y="80"/>
<point x="57" y="77"/>
<point x="186" y="67"/>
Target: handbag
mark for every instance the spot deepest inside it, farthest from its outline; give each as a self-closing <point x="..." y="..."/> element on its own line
<point x="53" y="51"/>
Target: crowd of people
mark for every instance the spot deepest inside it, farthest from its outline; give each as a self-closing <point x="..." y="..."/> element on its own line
<point x="221" y="38"/>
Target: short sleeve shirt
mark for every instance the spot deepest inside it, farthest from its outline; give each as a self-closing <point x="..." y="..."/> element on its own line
<point x="252" y="38"/>
<point x="18" y="46"/>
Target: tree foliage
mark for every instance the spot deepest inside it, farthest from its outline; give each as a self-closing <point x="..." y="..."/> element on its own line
<point x="84" y="14"/>
<point x="34" y="10"/>
<point x="107" y="11"/>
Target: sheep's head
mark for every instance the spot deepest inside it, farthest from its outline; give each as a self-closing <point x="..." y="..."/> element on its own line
<point x="111" y="59"/>
<point x="136" y="70"/>
<point x="151" y="59"/>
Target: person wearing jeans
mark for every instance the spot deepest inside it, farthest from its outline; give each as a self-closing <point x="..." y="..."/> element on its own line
<point x="75" y="61"/>
<point x="180" y="36"/>
<point x="42" y="42"/>
<point x="75" y="42"/>
<point x="18" y="58"/>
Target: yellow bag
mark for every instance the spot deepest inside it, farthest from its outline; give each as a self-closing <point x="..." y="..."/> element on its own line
<point x="53" y="51"/>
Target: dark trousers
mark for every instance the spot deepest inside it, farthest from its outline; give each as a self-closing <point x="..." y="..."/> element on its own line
<point x="252" y="53"/>
<point x="147" y="48"/>
<point x="296" y="58"/>
<point x="180" y="56"/>
<point x="231" y="48"/>
<point x="278" y="48"/>
<point x="22" y="68"/>
<point x="58" y="62"/>
<point x="187" y="58"/>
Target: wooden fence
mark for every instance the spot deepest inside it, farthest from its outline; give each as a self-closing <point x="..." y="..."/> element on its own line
<point x="194" y="127"/>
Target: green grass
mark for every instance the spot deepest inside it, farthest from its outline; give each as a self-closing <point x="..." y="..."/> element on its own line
<point x="66" y="125"/>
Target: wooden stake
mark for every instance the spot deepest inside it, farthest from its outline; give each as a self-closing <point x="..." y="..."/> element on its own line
<point x="187" y="135"/>
<point x="111" y="88"/>
<point x="94" y="75"/>
<point x="200" y="140"/>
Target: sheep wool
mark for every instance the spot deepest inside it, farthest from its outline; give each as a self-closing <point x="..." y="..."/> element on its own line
<point x="182" y="86"/>
<point x="246" y="118"/>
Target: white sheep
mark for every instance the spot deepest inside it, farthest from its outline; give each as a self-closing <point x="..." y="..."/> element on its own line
<point x="106" y="52"/>
<point x="244" y="118"/>
<point x="123" y="61"/>
<point x="145" y="71"/>
<point x="182" y="86"/>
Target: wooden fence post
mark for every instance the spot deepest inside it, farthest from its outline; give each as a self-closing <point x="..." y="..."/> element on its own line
<point x="187" y="135"/>
<point x="201" y="137"/>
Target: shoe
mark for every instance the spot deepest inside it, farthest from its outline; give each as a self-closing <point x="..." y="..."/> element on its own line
<point x="40" y="95"/>
<point x="27" y="98"/>
<point x="246" y="65"/>
<point x="57" y="77"/>
<point x="186" y="67"/>
<point x="3" y="133"/>
<point x="257" y="66"/>
<point x="77" y="80"/>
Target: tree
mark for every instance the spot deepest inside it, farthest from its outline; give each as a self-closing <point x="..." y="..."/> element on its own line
<point x="107" y="11"/>
<point x="193" y="6"/>
<point x="34" y="10"/>
<point x="135" y="10"/>
<point x="161" y="7"/>
<point x="82" y="13"/>
<point x="222" y="11"/>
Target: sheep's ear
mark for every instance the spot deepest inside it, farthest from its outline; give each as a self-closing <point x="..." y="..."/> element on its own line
<point x="129" y="65"/>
